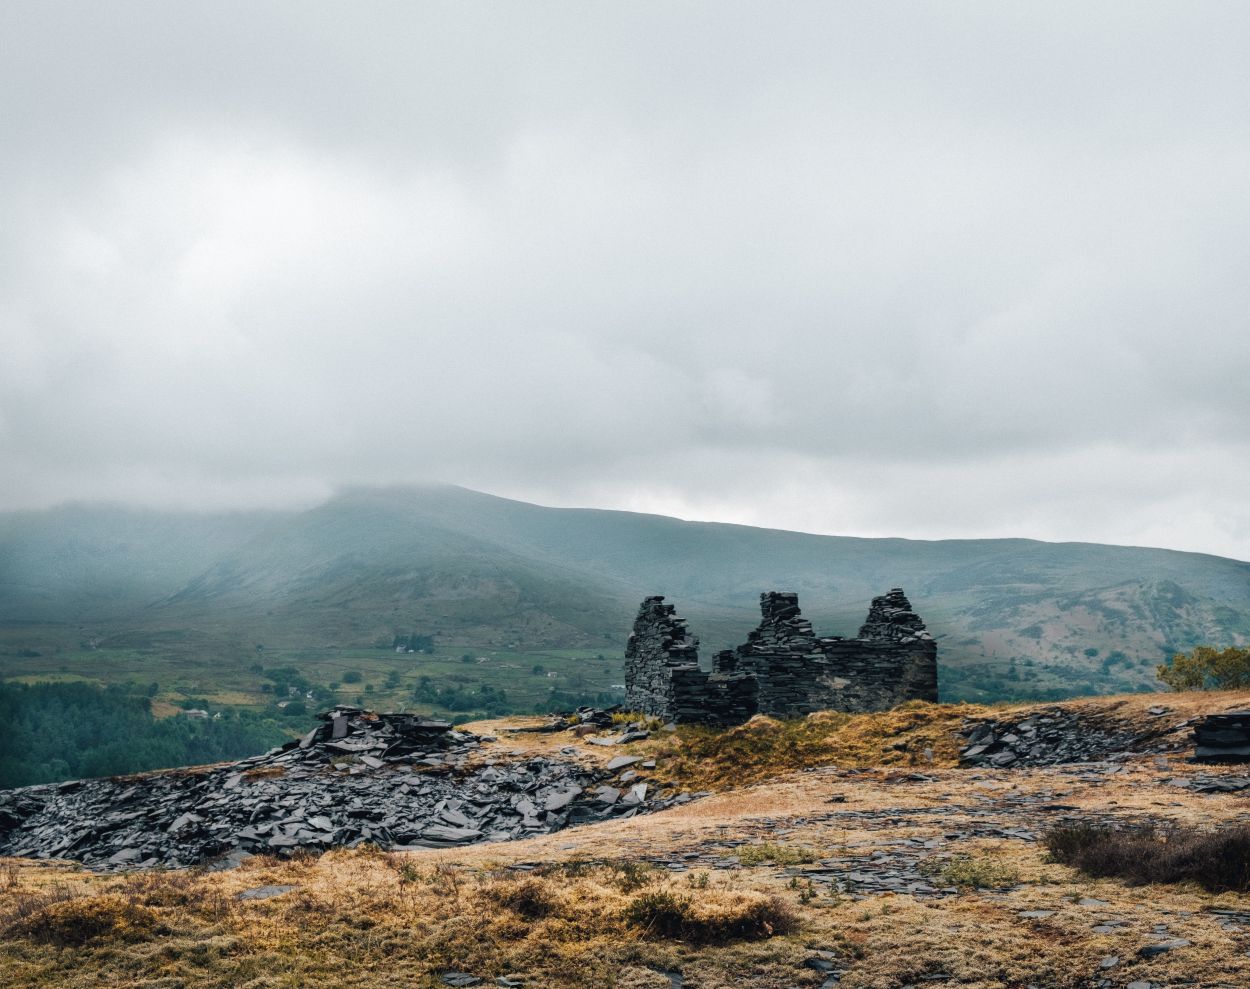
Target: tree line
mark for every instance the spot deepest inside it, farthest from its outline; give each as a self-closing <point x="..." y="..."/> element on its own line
<point x="59" y="731"/>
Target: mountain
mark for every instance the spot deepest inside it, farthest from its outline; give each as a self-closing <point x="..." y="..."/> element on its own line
<point x="1013" y="616"/>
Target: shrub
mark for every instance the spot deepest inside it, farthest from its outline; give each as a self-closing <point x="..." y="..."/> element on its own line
<point x="75" y="922"/>
<point x="712" y="919"/>
<point x="1207" y="669"/>
<point x="1218" y="861"/>
<point x="529" y="897"/>
<point x="660" y="912"/>
<point x="631" y="875"/>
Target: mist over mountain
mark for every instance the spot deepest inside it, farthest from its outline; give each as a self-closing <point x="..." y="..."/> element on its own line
<point x="1013" y="616"/>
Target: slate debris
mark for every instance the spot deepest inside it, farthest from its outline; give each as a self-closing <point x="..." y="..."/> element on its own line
<point x="1203" y="783"/>
<point x="1153" y="950"/>
<point x="1054" y="735"/>
<point x="263" y="892"/>
<point x="593" y="721"/>
<point x="582" y="718"/>
<point x="1223" y="738"/>
<point x="393" y="780"/>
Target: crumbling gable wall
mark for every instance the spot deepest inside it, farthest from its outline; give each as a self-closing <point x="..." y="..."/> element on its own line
<point x="663" y="679"/>
<point x="794" y="671"/>
<point x="892" y="660"/>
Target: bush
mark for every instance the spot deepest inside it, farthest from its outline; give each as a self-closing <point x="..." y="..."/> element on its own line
<point x="1207" y="669"/>
<point x="1218" y="861"/>
<point x="78" y="921"/>
<point x="627" y="875"/>
<point x="531" y="898"/>
<point x="713" y="918"/>
<point x="353" y="676"/>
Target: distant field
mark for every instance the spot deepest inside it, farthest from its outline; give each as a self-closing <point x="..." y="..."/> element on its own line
<point x="387" y="679"/>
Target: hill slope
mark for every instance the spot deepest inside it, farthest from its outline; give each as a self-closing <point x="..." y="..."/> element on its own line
<point x="1015" y="617"/>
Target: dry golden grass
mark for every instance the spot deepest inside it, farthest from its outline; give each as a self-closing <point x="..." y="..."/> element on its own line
<point x="915" y="734"/>
<point x="588" y="910"/>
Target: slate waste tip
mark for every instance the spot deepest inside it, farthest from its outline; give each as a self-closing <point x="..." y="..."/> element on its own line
<point x="393" y="780"/>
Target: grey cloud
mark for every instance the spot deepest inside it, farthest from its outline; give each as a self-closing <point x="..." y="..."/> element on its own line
<point x="913" y="269"/>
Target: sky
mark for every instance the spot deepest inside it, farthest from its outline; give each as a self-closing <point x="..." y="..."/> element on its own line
<point x="910" y="269"/>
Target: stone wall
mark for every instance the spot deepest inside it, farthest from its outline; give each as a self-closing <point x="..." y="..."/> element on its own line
<point x="663" y="678"/>
<point x="783" y="669"/>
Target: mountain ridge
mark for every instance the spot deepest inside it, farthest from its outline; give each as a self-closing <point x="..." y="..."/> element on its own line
<point x="478" y="570"/>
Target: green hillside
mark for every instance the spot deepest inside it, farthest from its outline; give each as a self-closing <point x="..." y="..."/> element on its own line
<point x="198" y="602"/>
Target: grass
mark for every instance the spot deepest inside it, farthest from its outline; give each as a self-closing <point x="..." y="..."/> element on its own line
<point x="363" y="917"/>
<point x="220" y="671"/>
<point x="767" y="851"/>
<point x="971" y="872"/>
<point x="711" y="919"/>
<point x="76" y="922"/>
<point x="1218" y="861"/>
<point x="585" y="908"/>
<point x="915" y="734"/>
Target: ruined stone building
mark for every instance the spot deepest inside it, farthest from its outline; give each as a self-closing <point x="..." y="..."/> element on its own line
<point x="783" y="669"/>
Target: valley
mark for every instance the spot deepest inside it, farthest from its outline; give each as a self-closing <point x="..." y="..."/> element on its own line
<point x="194" y="602"/>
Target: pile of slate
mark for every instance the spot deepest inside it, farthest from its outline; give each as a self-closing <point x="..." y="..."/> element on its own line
<point x="1223" y="738"/>
<point x="393" y="780"/>
<point x="584" y="717"/>
<point x="1053" y="736"/>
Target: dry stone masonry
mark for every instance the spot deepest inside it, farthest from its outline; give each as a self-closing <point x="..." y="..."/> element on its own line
<point x="783" y="669"/>
<point x="663" y="678"/>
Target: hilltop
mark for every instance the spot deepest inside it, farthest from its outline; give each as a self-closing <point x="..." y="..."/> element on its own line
<point x="194" y="600"/>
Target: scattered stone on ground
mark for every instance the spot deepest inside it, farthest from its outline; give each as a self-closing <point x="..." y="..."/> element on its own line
<point x="264" y="892"/>
<point x="595" y="722"/>
<point x="394" y="780"/>
<point x="1055" y="735"/>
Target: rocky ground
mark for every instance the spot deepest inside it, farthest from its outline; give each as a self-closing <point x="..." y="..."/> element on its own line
<point x="393" y="781"/>
<point x="920" y="873"/>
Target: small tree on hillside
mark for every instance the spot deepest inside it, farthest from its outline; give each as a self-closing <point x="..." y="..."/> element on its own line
<point x="1207" y="669"/>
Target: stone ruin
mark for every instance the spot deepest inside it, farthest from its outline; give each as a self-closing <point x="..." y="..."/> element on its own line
<point x="783" y="669"/>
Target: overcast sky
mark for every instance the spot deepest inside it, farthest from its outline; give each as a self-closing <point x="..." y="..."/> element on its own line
<point x="916" y="269"/>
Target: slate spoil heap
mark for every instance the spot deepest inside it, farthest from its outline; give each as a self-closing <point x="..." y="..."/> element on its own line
<point x="394" y="780"/>
<point x="1223" y="738"/>
<point x="1054" y="736"/>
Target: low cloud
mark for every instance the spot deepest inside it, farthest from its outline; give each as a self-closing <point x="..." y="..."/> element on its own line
<point x="951" y="271"/>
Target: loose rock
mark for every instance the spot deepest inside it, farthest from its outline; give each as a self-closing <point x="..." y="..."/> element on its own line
<point x="393" y="780"/>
